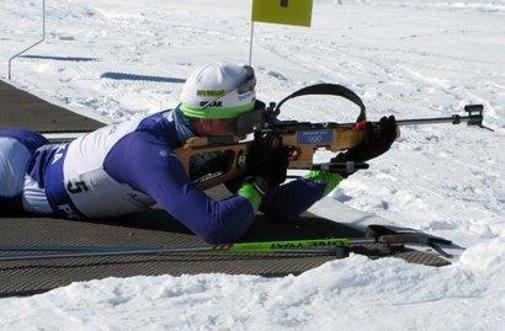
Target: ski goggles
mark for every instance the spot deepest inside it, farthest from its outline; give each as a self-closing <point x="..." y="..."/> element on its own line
<point x="239" y="126"/>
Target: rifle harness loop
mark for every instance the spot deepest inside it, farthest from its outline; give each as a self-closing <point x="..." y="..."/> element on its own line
<point x="328" y="89"/>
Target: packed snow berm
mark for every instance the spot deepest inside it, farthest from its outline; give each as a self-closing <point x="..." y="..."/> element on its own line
<point x="406" y="58"/>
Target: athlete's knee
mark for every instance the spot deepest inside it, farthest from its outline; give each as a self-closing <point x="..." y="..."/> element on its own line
<point x="17" y="147"/>
<point x="29" y="139"/>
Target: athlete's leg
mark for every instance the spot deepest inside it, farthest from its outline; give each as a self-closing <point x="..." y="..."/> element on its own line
<point x="16" y="149"/>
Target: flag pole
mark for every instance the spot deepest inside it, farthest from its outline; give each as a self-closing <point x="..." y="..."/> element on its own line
<point x="251" y="40"/>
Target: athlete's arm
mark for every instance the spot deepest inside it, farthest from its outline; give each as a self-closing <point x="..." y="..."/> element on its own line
<point x="146" y="164"/>
<point x="291" y="199"/>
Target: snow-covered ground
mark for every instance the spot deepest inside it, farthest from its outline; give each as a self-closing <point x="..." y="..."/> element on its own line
<point x="404" y="57"/>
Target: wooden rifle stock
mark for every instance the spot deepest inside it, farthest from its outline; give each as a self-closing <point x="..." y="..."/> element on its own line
<point x="304" y="142"/>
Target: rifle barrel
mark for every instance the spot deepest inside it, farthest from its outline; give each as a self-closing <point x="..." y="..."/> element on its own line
<point x="454" y="119"/>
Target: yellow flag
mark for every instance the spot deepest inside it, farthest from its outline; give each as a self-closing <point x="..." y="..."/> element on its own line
<point x="292" y="12"/>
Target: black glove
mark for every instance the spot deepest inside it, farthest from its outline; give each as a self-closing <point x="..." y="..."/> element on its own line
<point x="378" y="140"/>
<point x="270" y="164"/>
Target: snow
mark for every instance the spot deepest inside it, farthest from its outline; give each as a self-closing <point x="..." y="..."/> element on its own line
<point x="349" y="294"/>
<point x="406" y="58"/>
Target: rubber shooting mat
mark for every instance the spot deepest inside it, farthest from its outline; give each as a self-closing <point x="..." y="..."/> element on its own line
<point x="22" y="109"/>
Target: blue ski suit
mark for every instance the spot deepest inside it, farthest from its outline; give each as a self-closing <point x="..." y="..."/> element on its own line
<point x="129" y="167"/>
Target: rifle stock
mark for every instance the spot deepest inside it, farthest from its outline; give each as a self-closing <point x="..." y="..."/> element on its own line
<point x="235" y="166"/>
<point x="304" y="142"/>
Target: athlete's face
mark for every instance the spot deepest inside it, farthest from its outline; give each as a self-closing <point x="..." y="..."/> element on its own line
<point x="214" y="127"/>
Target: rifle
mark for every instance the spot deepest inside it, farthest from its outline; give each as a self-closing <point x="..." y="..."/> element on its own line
<point x="229" y="154"/>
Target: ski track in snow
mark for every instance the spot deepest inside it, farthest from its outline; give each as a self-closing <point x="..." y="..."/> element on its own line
<point x="406" y="58"/>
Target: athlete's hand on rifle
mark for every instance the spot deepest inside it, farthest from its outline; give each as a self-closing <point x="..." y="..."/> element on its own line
<point x="268" y="163"/>
<point x="378" y="140"/>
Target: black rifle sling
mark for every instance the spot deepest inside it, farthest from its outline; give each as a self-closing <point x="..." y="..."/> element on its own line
<point x="328" y="89"/>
